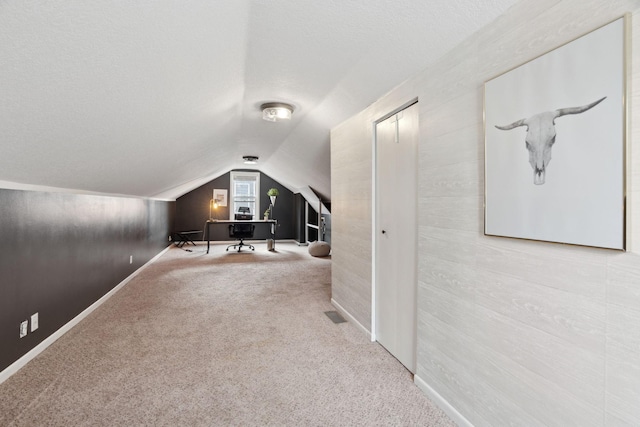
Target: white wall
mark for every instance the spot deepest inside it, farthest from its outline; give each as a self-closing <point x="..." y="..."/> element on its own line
<point x="510" y="332"/>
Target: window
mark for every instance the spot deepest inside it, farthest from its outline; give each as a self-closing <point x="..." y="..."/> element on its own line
<point x="245" y="189"/>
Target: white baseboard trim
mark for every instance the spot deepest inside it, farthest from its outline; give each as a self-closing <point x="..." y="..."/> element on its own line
<point x="452" y="412"/>
<point x="18" y="364"/>
<point x="352" y="319"/>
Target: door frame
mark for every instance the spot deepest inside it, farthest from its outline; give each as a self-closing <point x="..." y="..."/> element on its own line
<point x="374" y="205"/>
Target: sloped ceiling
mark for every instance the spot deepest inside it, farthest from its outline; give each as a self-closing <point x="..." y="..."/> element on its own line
<point x="154" y="98"/>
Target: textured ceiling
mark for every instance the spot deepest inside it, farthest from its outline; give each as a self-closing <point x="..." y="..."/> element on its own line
<point x="154" y="98"/>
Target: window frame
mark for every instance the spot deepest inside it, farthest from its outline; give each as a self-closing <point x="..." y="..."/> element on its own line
<point x="232" y="190"/>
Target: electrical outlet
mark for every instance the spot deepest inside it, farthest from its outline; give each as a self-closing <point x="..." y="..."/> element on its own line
<point x="169" y="238"/>
<point x="34" y="322"/>
<point x="23" y="328"/>
<point x="131" y="259"/>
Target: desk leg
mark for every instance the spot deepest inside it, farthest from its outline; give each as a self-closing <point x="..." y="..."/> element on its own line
<point x="208" y="237"/>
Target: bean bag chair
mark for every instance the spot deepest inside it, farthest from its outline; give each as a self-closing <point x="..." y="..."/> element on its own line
<point x="319" y="249"/>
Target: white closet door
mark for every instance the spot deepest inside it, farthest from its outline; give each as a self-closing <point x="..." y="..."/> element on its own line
<point x="396" y="234"/>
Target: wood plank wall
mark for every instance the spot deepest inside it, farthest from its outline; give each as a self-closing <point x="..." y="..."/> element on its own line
<point x="510" y="332"/>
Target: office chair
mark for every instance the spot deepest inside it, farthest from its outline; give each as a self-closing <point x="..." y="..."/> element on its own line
<point x="241" y="231"/>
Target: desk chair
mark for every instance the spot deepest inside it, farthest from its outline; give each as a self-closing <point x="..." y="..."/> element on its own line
<point x="241" y="231"/>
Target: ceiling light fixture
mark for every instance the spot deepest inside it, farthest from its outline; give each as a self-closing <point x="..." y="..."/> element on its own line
<point x="274" y="111"/>
<point x="250" y="160"/>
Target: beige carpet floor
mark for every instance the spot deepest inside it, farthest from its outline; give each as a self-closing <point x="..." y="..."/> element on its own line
<point x="218" y="339"/>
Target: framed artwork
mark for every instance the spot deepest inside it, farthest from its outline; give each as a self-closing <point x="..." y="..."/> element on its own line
<point x="220" y="196"/>
<point x="568" y="105"/>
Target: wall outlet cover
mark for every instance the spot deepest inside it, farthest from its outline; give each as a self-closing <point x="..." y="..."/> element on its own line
<point x="23" y="328"/>
<point x="34" y="322"/>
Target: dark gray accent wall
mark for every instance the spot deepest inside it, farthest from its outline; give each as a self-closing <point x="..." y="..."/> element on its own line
<point x="300" y="221"/>
<point x="61" y="252"/>
<point x="192" y="209"/>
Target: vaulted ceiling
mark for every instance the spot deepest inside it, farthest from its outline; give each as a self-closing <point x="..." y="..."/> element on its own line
<point x="154" y="98"/>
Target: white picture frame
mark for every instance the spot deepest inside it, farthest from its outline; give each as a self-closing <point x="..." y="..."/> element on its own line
<point x="220" y="196"/>
<point x="568" y="105"/>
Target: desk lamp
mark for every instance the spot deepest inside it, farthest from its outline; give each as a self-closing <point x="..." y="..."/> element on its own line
<point x="213" y="205"/>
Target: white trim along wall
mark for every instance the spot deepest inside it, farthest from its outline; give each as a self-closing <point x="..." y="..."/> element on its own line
<point x="510" y="332"/>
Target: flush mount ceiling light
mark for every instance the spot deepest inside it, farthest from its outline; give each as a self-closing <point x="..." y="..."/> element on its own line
<point x="274" y="111"/>
<point x="250" y="160"/>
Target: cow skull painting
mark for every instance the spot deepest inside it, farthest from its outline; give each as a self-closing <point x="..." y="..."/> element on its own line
<point x="541" y="135"/>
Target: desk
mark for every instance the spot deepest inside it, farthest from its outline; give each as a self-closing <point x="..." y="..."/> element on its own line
<point x="211" y="222"/>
